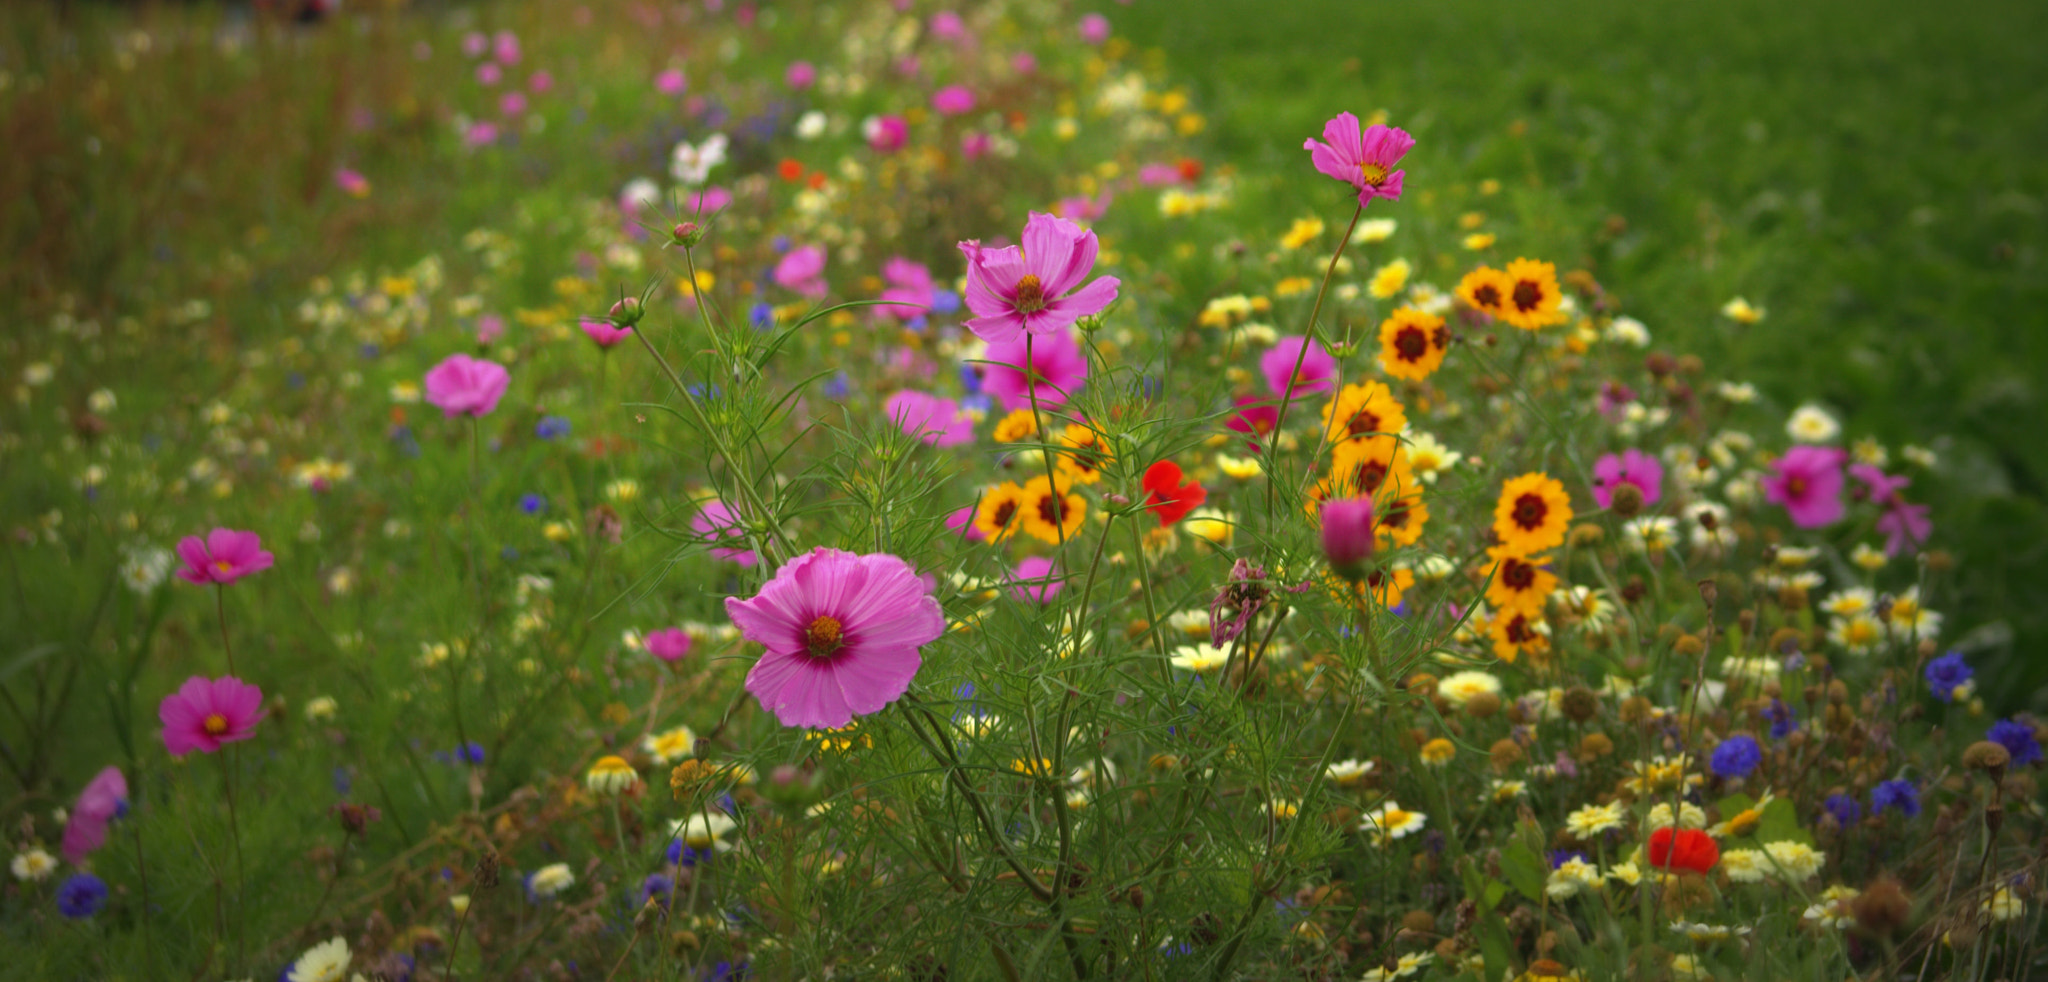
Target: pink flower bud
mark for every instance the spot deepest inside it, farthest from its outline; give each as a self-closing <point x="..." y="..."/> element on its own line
<point x="626" y="312"/>
<point x="668" y="644"/>
<point x="1348" y="535"/>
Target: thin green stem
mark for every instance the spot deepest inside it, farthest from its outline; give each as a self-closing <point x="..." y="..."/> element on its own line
<point x="1301" y="357"/>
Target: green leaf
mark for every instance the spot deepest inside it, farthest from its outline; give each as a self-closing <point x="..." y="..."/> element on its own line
<point x="1525" y="870"/>
<point x="1781" y="822"/>
<point x="1734" y="805"/>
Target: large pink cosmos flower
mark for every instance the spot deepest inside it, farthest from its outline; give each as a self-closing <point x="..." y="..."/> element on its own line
<point x="936" y="421"/>
<point x="909" y="293"/>
<point x="802" y="269"/>
<point x="668" y="644"/>
<point x="717" y="521"/>
<point x="1631" y="466"/>
<point x="1317" y="373"/>
<point x="465" y="386"/>
<point x="104" y="799"/>
<point x="1808" y="482"/>
<point x="1365" y="160"/>
<point x="1905" y="525"/>
<point x="224" y="556"/>
<point x="1056" y="360"/>
<point x="842" y="633"/>
<point x="205" y="713"/>
<point x="1013" y="291"/>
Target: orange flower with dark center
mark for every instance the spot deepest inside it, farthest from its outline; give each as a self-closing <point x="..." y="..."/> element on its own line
<point x="1486" y="289"/>
<point x="1412" y="344"/>
<point x="1532" y="299"/>
<point x="1532" y="514"/>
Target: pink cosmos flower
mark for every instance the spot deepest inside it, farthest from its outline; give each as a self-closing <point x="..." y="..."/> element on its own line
<point x="1094" y="28"/>
<point x="668" y="644"/>
<point x="512" y="104"/>
<point x="1808" y="482"/>
<point x="1255" y="417"/>
<point x="936" y="421"/>
<point x="224" y="556"/>
<point x="104" y="799"/>
<point x="1012" y="291"/>
<point x="506" y="47"/>
<point x="1158" y="175"/>
<point x="489" y="73"/>
<point x="462" y="385"/>
<point x="352" y="183"/>
<point x="1317" y="372"/>
<point x="909" y="293"/>
<point x="1024" y="63"/>
<point x="1081" y="208"/>
<point x="976" y="145"/>
<point x="1905" y="525"/>
<point x="489" y="328"/>
<point x="1035" y="581"/>
<point x="886" y="134"/>
<point x="716" y="521"/>
<point x="480" y="134"/>
<point x="800" y="75"/>
<point x="604" y="334"/>
<point x="1629" y="467"/>
<point x="540" y="82"/>
<point x="1348" y="534"/>
<point x="1056" y="359"/>
<point x="947" y="25"/>
<point x="1365" y="160"/>
<point x="802" y="270"/>
<point x="953" y="100"/>
<point x="475" y="43"/>
<point x="961" y="521"/>
<point x="671" y="82"/>
<point x="205" y="713"/>
<point x="709" y="201"/>
<point x="842" y="633"/>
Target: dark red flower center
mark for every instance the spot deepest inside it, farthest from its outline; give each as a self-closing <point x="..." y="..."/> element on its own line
<point x="1396" y="515"/>
<point x="1518" y="574"/>
<point x="1487" y="296"/>
<point x="1363" y="421"/>
<point x="1411" y="344"/>
<point x="1369" y="476"/>
<point x="1528" y="295"/>
<point x="1530" y="511"/>
<point x="1440" y="338"/>
<point x="1795" y="487"/>
<point x="1518" y="631"/>
<point x="1004" y="512"/>
<point x="214" y="724"/>
<point x="824" y="637"/>
<point x="1030" y="295"/>
<point x="1050" y="509"/>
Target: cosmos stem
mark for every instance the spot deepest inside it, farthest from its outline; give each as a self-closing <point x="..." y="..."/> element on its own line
<point x="1301" y="357"/>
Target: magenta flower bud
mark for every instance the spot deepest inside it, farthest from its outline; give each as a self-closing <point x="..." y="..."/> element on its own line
<point x="1348" y="535"/>
<point x="669" y="644"/>
<point x="626" y="312"/>
<point x="687" y="234"/>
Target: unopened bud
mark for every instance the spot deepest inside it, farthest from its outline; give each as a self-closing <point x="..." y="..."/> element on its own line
<point x="687" y="234"/>
<point x="1348" y="535"/>
<point x="627" y="311"/>
<point x="1627" y="500"/>
<point x="1089" y="324"/>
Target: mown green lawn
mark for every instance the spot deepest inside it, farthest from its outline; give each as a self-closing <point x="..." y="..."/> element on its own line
<point x="1873" y="174"/>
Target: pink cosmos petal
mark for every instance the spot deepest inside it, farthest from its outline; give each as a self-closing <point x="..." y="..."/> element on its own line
<point x="715" y="519"/>
<point x="461" y="385"/>
<point x="98" y="804"/>
<point x="1055" y="358"/>
<point x="193" y="551"/>
<point x="1090" y="299"/>
<point x="1905" y="526"/>
<point x="1057" y="252"/>
<point x="1318" y="367"/>
<point x="1808" y="482"/>
<point x="1630" y="467"/>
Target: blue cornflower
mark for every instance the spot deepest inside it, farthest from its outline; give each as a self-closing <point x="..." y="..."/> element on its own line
<point x="470" y="753"/>
<point x="657" y="887"/>
<point x="1559" y="857"/>
<point x="945" y="302"/>
<point x="838" y="386"/>
<point x="682" y="855"/>
<point x="1782" y="721"/>
<point x="1901" y="795"/>
<point x="1844" y="808"/>
<point x="1737" y="756"/>
<point x="532" y="503"/>
<point x="970" y="378"/>
<point x="2017" y="738"/>
<point x="81" y="896"/>
<point x="1946" y="674"/>
<point x="551" y="427"/>
<point x="761" y="316"/>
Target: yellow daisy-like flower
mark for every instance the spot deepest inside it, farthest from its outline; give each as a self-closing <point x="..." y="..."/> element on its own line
<point x="1200" y="657"/>
<point x="1048" y="513"/>
<point x="1740" y="311"/>
<point x="1533" y="512"/>
<point x="1399" y="522"/>
<point x="1519" y="582"/>
<point x="1516" y="633"/>
<point x="1429" y="456"/>
<point x="1592" y="820"/>
<point x="1480" y="240"/>
<point x="1485" y="289"/>
<point x="1389" y="279"/>
<point x="670" y="746"/>
<point x="1040" y="767"/>
<point x="610" y="775"/>
<point x="1364" y="412"/>
<point x="1384" y="586"/>
<point x="1293" y="286"/>
<point x="1086" y="454"/>
<point x="1303" y="232"/>
<point x="1412" y="344"/>
<point x="1348" y="773"/>
<point x="1659" y="775"/>
<point x="1019" y="425"/>
<point x="1390" y="821"/>
<point x="1365" y="468"/>
<point x="1459" y="688"/>
<point x="1438" y="752"/>
<point x="1210" y="525"/>
<point x="1533" y="298"/>
<point x="1502" y="792"/>
<point x="999" y="515"/>
<point x="1242" y="468"/>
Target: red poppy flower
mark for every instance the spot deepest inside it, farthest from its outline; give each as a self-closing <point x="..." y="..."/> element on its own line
<point x="1171" y="500"/>
<point x="1692" y="850"/>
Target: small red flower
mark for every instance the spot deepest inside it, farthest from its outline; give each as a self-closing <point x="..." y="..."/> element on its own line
<point x="1170" y="499"/>
<point x="1692" y="850"/>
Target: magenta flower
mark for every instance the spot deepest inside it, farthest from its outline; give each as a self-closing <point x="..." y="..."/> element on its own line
<point x="1365" y="160"/>
<point x="604" y="334"/>
<point x="489" y="73"/>
<point x="1317" y="372"/>
<point x="1629" y="467"/>
<point x="909" y="293"/>
<point x="475" y="43"/>
<point x="1081" y="208"/>
<point x="1905" y="525"/>
<point x="936" y="421"/>
<point x="481" y="133"/>
<point x="224" y="556"/>
<point x="104" y="799"/>
<point x="1024" y="63"/>
<point x="1348" y="534"/>
<point x="1013" y="291"/>
<point x="709" y="201"/>
<point x="886" y="134"/>
<point x="948" y="26"/>
<point x="1056" y="359"/>
<point x="975" y="145"/>
<point x="540" y="82"/>
<point x="489" y="328"/>
<point x="961" y="521"/>
<point x="1160" y="175"/>
<point x="1808" y="482"/>
<point x="1094" y="28"/>
<point x="352" y="183"/>
<point x="668" y="644"/>
<point x="1254" y="417"/>
<point x="842" y="633"/>
<point x="671" y="82"/>
<point x="506" y="47"/>
<point x="205" y="713"/>
<point x="953" y="100"/>
<point x="462" y="385"/>
<point x="511" y="104"/>
<point x="800" y="75"/>
<point x="1035" y="581"/>
<point x="716" y="521"/>
<point x="802" y="270"/>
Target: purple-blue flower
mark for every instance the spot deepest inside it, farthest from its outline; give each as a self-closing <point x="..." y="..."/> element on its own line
<point x="2017" y="738"/>
<point x="1782" y="721"/>
<point x="81" y="896"/>
<point x="1946" y="674"/>
<point x="1844" y="808"/>
<point x="1737" y="756"/>
<point x="1901" y="795"/>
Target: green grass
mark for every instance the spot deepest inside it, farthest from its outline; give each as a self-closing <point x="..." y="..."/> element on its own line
<point x="1871" y="173"/>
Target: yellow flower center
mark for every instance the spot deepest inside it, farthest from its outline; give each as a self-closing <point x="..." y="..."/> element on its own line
<point x="1030" y="295"/>
<point x="824" y="636"/>
<point x="214" y="724"/>
<point x="223" y="565"/>
<point x="1372" y="173"/>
